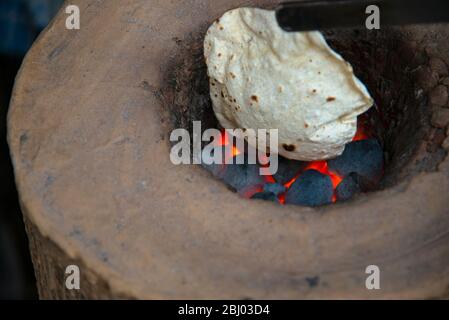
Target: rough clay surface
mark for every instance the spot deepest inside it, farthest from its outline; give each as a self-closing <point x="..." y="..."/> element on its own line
<point x="88" y="137"/>
<point x="262" y="77"/>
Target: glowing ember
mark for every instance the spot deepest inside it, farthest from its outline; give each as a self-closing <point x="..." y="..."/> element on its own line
<point x="282" y="198"/>
<point x="268" y="178"/>
<point x="360" y="134"/>
<point x="320" y="166"/>
<point x="225" y="141"/>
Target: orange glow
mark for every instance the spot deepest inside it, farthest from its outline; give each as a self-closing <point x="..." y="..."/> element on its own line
<point x="250" y="191"/>
<point x="289" y="183"/>
<point x="361" y="133"/>
<point x="336" y="179"/>
<point x="267" y="177"/>
<point x="323" y="168"/>
<point x="235" y="151"/>
<point x="282" y="198"/>
<point x="334" y="198"/>
<point x="225" y="141"/>
<point x="320" y="166"/>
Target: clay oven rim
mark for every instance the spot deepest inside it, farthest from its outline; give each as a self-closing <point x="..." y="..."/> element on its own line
<point x="65" y="182"/>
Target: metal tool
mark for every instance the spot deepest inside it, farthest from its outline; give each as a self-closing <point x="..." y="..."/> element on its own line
<point x="321" y="15"/>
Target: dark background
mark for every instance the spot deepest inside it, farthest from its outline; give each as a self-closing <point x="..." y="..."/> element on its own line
<point x="21" y="21"/>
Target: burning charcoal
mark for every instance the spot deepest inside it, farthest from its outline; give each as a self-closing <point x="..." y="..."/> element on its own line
<point x="270" y="192"/>
<point x="218" y="169"/>
<point x="312" y="188"/>
<point x="287" y="169"/>
<point x="275" y="188"/>
<point x="264" y="195"/>
<point x="215" y="169"/>
<point x="243" y="177"/>
<point x="364" y="157"/>
<point x="348" y="187"/>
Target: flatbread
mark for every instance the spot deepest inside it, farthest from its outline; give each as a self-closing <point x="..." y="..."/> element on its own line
<point x="262" y="77"/>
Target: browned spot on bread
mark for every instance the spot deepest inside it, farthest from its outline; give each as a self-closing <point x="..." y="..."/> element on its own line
<point x="289" y="147"/>
<point x="330" y="99"/>
<point x="254" y="98"/>
<point x="306" y="125"/>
